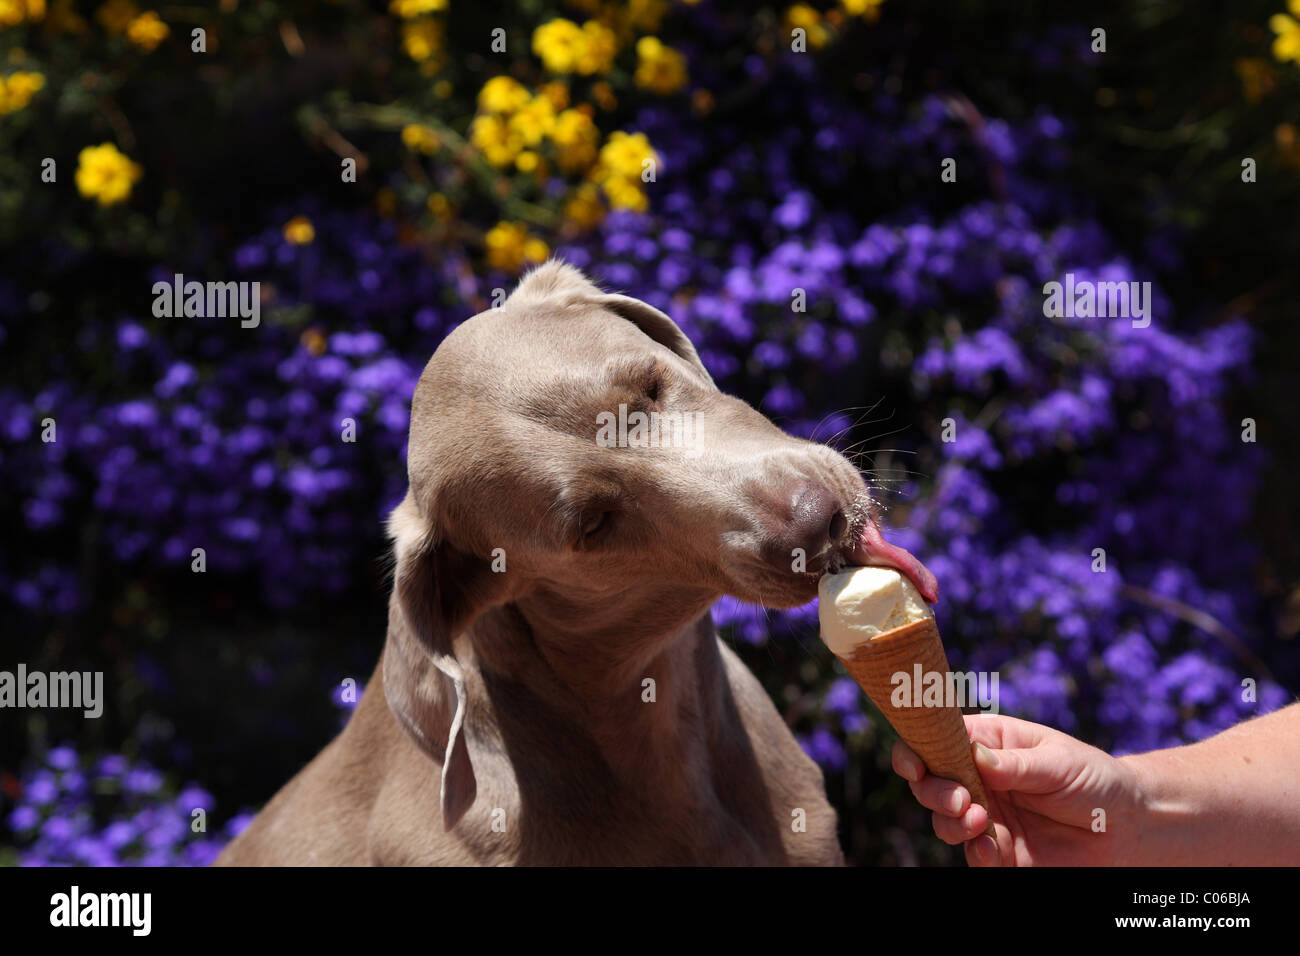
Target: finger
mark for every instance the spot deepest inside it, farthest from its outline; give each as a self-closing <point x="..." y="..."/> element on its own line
<point x="941" y="795"/>
<point x="997" y="731"/>
<point x="974" y="820"/>
<point x="1031" y="770"/>
<point x="905" y="762"/>
<point x="950" y="830"/>
<point x="963" y="829"/>
<point x="983" y="851"/>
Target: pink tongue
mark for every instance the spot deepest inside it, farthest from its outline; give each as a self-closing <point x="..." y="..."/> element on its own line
<point x="874" y="551"/>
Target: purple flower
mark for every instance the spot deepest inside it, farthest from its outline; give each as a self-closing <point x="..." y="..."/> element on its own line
<point x="41" y="791"/>
<point x="24" y="817"/>
<point x="795" y="212"/>
<point x="142" y="780"/>
<point x="825" y="748"/>
<point x="843" y="697"/>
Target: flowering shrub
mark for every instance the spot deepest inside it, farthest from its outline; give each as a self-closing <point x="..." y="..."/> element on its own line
<point x="111" y="811"/>
<point x="684" y="154"/>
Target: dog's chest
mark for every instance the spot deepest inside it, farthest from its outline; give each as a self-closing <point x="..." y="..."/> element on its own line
<point x="593" y="829"/>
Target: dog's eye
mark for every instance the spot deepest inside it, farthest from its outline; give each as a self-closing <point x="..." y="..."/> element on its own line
<point x="594" y="527"/>
<point x="649" y="383"/>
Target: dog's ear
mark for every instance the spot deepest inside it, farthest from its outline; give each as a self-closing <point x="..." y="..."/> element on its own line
<point x="559" y="284"/>
<point x="438" y="590"/>
<point x="655" y="324"/>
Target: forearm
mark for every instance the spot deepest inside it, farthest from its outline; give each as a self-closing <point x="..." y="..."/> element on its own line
<point x="1231" y="800"/>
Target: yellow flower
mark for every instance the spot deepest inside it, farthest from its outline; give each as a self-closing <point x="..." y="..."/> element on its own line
<point x="422" y="39"/>
<point x="809" y="20"/>
<point x="410" y="9"/>
<point x="534" y="122"/>
<point x="576" y="139"/>
<point x="1287" y="45"/>
<point x="868" y="9"/>
<point x="557" y="91"/>
<point x="659" y="68"/>
<point x="299" y="231"/>
<point x="600" y="50"/>
<point x="502" y="94"/>
<point x="619" y="167"/>
<point x="14" y="12"/>
<point x="509" y="246"/>
<point x="492" y="137"/>
<point x="17" y="90"/>
<point x="146" y="31"/>
<point x="584" y="208"/>
<point x="116" y="15"/>
<point x="512" y="124"/>
<point x="565" y="47"/>
<point x="624" y="154"/>
<point x="528" y="161"/>
<point x="625" y="194"/>
<point x="536" y="251"/>
<point x="420" y="138"/>
<point x="558" y="43"/>
<point x="24" y="85"/>
<point x="106" y="175"/>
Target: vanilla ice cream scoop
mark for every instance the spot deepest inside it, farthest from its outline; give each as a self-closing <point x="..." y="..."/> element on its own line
<point x="861" y="603"/>
<point x="879" y="625"/>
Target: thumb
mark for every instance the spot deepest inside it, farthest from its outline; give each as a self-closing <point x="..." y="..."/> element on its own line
<point x="1025" y="770"/>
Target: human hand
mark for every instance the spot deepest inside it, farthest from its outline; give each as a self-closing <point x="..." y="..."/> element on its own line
<point x="1044" y="789"/>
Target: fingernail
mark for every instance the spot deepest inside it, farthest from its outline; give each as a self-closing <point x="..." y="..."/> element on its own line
<point x="986" y="848"/>
<point x="954" y="803"/>
<point x="910" y="771"/>
<point x="985" y="756"/>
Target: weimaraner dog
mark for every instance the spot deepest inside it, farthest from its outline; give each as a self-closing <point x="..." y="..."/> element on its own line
<point x="552" y="690"/>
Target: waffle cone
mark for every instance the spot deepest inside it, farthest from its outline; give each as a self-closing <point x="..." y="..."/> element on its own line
<point x="937" y="734"/>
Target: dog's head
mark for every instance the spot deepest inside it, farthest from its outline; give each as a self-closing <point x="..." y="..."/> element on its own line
<point x="569" y="450"/>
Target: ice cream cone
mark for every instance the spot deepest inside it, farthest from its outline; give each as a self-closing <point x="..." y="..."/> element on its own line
<point x="936" y="733"/>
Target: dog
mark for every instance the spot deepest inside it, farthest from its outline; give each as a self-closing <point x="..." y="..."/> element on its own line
<point x="552" y="690"/>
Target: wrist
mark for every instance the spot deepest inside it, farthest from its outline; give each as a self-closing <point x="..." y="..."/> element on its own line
<point x="1166" y="810"/>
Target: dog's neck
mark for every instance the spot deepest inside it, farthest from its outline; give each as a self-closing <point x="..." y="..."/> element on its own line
<point x="626" y="699"/>
<point x="645" y="696"/>
<point x="598" y="651"/>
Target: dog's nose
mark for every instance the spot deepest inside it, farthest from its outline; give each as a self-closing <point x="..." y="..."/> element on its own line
<point x="816" y="519"/>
